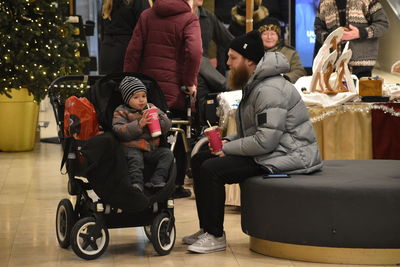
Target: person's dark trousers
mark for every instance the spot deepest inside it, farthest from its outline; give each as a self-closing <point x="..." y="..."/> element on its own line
<point x="210" y="174"/>
<point x="221" y="60"/>
<point x="162" y="158"/>
<point x="209" y="81"/>
<point x="181" y="156"/>
<point x="202" y="91"/>
<point x="362" y="71"/>
<point x="112" y="53"/>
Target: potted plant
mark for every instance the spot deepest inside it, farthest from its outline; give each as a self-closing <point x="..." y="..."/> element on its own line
<point x="37" y="45"/>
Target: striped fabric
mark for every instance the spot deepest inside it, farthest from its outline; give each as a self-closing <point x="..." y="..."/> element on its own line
<point x="130" y="85"/>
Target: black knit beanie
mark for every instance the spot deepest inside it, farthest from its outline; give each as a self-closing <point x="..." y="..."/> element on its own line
<point x="130" y="85"/>
<point x="249" y="46"/>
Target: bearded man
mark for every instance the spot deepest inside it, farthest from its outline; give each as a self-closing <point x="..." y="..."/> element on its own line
<point x="274" y="135"/>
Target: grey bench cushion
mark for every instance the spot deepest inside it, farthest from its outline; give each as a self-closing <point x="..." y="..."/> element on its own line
<point x="350" y="203"/>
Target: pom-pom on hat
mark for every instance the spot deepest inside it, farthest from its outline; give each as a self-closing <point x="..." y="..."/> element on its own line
<point x="249" y="46"/>
<point x="130" y="85"/>
<point x="271" y="24"/>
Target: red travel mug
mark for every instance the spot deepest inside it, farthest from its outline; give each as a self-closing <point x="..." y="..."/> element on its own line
<point x="154" y="125"/>
<point x="214" y="138"/>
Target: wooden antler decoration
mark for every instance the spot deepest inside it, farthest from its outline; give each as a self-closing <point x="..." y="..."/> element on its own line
<point x="324" y="63"/>
<point x="343" y="72"/>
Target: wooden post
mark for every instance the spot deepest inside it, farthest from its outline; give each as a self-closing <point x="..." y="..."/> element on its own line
<point x="71" y="7"/>
<point x="249" y="15"/>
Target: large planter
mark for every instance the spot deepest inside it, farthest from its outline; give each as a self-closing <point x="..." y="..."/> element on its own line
<point x="18" y="121"/>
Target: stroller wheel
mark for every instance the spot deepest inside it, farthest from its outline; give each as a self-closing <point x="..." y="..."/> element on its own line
<point x="163" y="234"/>
<point x="89" y="239"/>
<point x="65" y="220"/>
<point x="147" y="231"/>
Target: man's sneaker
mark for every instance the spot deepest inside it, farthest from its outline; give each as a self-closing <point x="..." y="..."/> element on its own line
<point x="190" y="239"/>
<point x="208" y="243"/>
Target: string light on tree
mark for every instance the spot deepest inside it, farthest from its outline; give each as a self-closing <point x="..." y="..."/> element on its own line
<point x="33" y="51"/>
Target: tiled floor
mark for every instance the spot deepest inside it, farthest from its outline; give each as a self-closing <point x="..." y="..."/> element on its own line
<point x="31" y="187"/>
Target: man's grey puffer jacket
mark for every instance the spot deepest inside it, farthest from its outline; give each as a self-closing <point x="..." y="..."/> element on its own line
<point x="272" y="122"/>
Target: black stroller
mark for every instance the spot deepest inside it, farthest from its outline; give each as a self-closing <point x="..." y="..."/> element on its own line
<point x="101" y="161"/>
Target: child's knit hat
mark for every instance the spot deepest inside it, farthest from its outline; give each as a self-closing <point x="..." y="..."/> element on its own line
<point x="130" y="85"/>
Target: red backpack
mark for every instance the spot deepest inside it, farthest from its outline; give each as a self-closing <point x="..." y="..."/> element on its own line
<point x="80" y="120"/>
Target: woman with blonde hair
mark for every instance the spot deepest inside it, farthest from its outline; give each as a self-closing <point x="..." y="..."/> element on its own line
<point x="119" y="18"/>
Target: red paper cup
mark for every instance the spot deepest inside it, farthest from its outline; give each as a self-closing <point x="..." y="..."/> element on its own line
<point x="214" y="138"/>
<point x="154" y="125"/>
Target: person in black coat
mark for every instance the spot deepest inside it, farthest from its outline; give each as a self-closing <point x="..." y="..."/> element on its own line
<point x="261" y="11"/>
<point x="210" y="80"/>
<point x="238" y="24"/>
<point x="223" y="10"/>
<point x="119" y="18"/>
<point x="211" y="28"/>
<point x="278" y="9"/>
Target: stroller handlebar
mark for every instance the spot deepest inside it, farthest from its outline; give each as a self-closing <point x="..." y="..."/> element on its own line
<point x="84" y="79"/>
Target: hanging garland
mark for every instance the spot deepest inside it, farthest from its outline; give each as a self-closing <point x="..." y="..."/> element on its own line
<point x="366" y="109"/>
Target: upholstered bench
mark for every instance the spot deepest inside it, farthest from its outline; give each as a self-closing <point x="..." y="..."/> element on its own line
<point x="347" y="213"/>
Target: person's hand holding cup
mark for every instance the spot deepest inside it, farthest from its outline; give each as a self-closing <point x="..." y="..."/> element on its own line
<point x="154" y="123"/>
<point x="214" y="139"/>
<point x="221" y="153"/>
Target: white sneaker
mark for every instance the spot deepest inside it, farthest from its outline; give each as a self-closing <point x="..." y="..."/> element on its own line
<point x="190" y="239"/>
<point x="208" y="243"/>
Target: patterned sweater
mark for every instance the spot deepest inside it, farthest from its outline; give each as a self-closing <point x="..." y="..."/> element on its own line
<point x="126" y="127"/>
<point x="367" y="15"/>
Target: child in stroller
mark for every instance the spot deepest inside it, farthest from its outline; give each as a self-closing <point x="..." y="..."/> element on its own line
<point x="129" y="124"/>
<point x="84" y="225"/>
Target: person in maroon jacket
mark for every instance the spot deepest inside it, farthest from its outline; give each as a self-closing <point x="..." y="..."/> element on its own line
<point x="166" y="45"/>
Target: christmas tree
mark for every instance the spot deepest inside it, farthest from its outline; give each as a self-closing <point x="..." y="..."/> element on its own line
<point x="37" y="45"/>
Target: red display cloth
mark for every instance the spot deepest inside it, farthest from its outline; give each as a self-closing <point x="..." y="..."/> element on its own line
<point x="386" y="133"/>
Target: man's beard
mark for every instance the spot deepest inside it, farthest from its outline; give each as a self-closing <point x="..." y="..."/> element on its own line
<point x="238" y="77"/>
